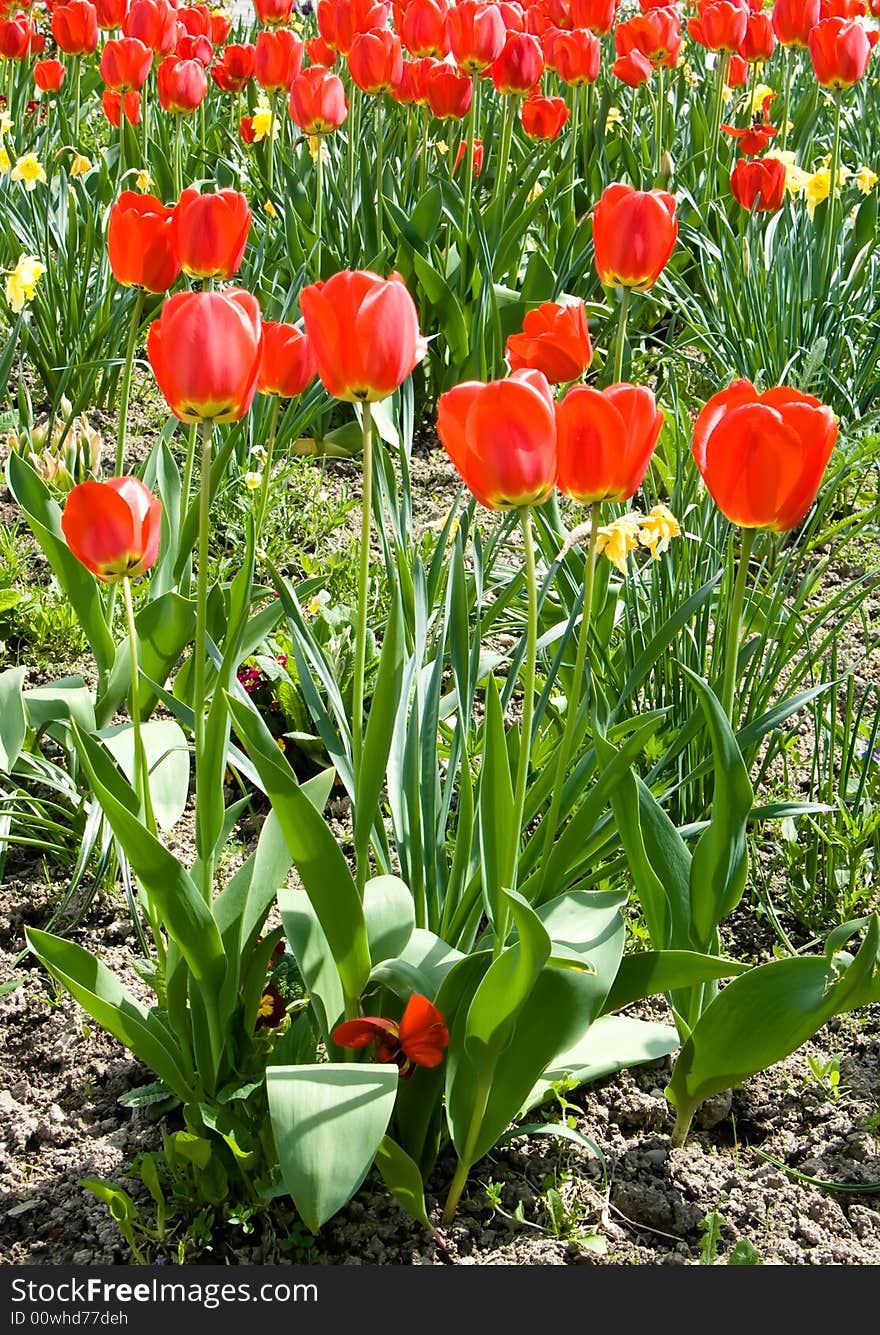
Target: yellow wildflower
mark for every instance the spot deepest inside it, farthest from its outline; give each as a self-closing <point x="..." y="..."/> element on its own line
<point x="21" y="283"/>
<point x="5" y="161"/>
<point x="80" y="165"/>
<point x="253" y="480"/>
<point x="536" y="192"/>
<point x="143" y="181"/>
<point x="865" y="179"/>
<point x="262" y="124"/>
<point x="29" y="170"/>
<point x="658" y="529"/>
<point x="818" y="187"/>
<point x="441" y="146"/>
<point x="318" y="602"/>
<point x="614" y="117"/>
<point x="795" y="177"/>
<point x="5" y="124"/>
<point x="759" y="96"/>
<point x="270" y="208"/>
<point x="691" y="78"/>
<point x="617" y="539"/>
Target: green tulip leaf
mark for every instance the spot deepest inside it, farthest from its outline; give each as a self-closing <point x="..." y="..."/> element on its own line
<point x="401" y="1176"/>
<point x="13" y="720"/>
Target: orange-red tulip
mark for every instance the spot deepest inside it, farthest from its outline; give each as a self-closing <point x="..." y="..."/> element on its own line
<point x="320" y="52"/>
<point x="555" y="339"/>
<point x="633" y="69"/>
<point x="840" y="50"/>
<point x="478" y="157"/>
<point x="15" y="37"/>
<point x="520" y="64"/>
<point x="424" y="30"/>
<point x="49" y="75"/>
<point x="287" y="364"/>
<point x="125" y="64"/>
<point x="205" y="353"/>
<point x="577" y="57"/>
<point x="113" y="527"/>
<point x="449" y="93"/>
<point x="277" y="60"/>
<point x="182" y="85"/>
<point x="375" y="61"/>
<point x="420" y="1039"/>
<point x="234" y="70"/>
<point x="364" y="332"/>
<point x="759" y="185"/>
<point x="476" y="35"/>
<point x="412" y="91"/>
<point x="115" y="105"/>
<point x="606" y="439"/>
<point x="793" y="20"/>
<point x="759" y="42"/>
<point x="317" y="101"/>
<point x="634" y="234"/>
<point x="502" y="438"/>
<point x="155" y="23"/>
<point x="273" y="12"/>
<point x="657" y="35"/>
<point x="111" y="13"/>
<point x="544" y="117"/>
<point x="762" y="456"/>
<point x="210" y="232"/>
<point x="596" y="15"/>
<point x="720" y="25"/>
<point x="140" y="242"/>
<point x="340" y="20"/>
<point x="75" y="28"/>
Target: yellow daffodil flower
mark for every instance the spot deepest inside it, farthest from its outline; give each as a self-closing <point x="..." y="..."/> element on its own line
<point x="865" y="179"/>
<point x="21" y="283"/>
<point x="143" y="181"/>
<point x="657" y="530"/>
<point x="262" y="124"/>
<point x="29" y="170"/>
<point x="80" y="165"/>
<point x="5" y="161"/>
<point x="617" y="539"/>
<point x="270" y="208"/>
<point x="614" y="117"/>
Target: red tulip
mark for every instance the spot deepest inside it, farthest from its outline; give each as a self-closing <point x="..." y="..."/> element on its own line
<point x="125" y="64"/>
<point x="793" y="19"/>
<point x="205" y="353"/>
<point x="543" y="117"/>
<point x="340" y="20"/>
<point x="111" y="13"/>
<point x="555" y="339"/>
<point x="317" y="101"/>
<point x="49" y="75"/>
<point x="449" y="93"/>
<point x="320" y="52"/>
<point x="196" y="19"/>
<point x="287" y="363"/>
<point x="476" y="35"/>
<point x="364" y="331"/>
<point x="840" y="50"/>
<point x="210" y="232"/>
<point x="502" y="438"/>
<point x="115" y="105"/>
<point x="597" y="15"/>
<point x="759" y="42"/>
<point x="657" y="35"/>
<point x="577" y="57"/>
<point x="759" y="185"/>
<point x="113" y="527"/>
<point x="182" y="85"/>
<point x="606" y="439"/>
<point x="278" y="59"/>
<point x="413" y="87"/>
<point x="221" y="27"/>
<point x="720" y="26"/>
<point x="737" y="71"/>
<point x="478" y="157"/>
<point x="512" y="15"/>
<point x="756" y="138"/>
<point x="424" y="30"/>
<point x="15" y="37"/>
<point x="155" y="23"/>
<point x="519" y="66"/>
<point x="634" y="234"/>
<point x="842" y="9"/>
<point x="762" y="456"/>
<point x="140" y="242"/>
<point x="235" y="69"/>
<point x="420" y="1038"/>
<point x="273" y="12"/>
<point x="375" y="61"/>
<point x="633" y="69"/>
<point x="75" y="28"/>
<point x="246" y="129"/>
<point x="194" y="48"/>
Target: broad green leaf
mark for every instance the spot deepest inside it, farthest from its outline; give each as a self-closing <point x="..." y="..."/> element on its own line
<point x="168" y="761"/>
<point x="314" y="958"/>
<point x="580" y="923"/>
<point x="13" y="721"/>
<point x="384" y="705"/>
<point x="165" y="626"/>
<point x="328" y="1123"/>
<point x="652" y="972"/>
<point x="507" y="985"/>
<point x="611" y="1044"/>
<point x="720" y="862"/>
<point x="67" y="698"/>
<point x="103" y="997"/>
<point x="390" y="917"/>
<point x="421" y="967"/>
<point x="624" y="798"/>
<point x="316" y="854"/>
<point x="401" y="1176"/>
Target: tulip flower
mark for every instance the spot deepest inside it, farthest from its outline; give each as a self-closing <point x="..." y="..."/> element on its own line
<point x="140" y="242"/>
<point x="49" y="75"/>
<point x="449" y="93"/>
<point x="519" y="65"/>
<point x="125" y="64"/>
<point x="116" y="105"/>
<point x="762" y="455"/>
<point x="555" y="340"/>
<point x="317" y="101"/>
<point x="154" y="22"/>
<point x="720" y="25"/>
<point x="476" y="35"/>
<point x="375" y="61"/>
<point x="182" y="85"/>
<point x="210" y="232"/>
<point x="75" y="28"/>
<point x="758" y="135"/>
<point x="113" y="527"/>
<point x="419" y="1039"/>
<point x="194" y="48"/>
<point x="759" y="185"/>
<point x="111" y="13"/>
<point x="412" y="91"/>
<point x="577" y="58"/>
<point x="501" y="437"/>
<point x="634" y="234"/>
<point x="793" y="20"/>
<point x="320" y="52"/>
<point x="340" y="20"/>
<point x="606" y="439"/>
<point x="278" y="59"/>
<point x="424" y="30"/>
<point x="633" y="69"/>
<point x="596" y="15"/>
<point x="840" y="50"/>
<point x="205" y="354"/>
<point x="544" y="117"/>
<point x="759" y="42"/>
<point x="287" y="364"/>
<point x="15" y="38"/>
<point x="234" y="70"/>
<point x="364" y="331"/>
<point x="478" y="156"/>
<point x="271" y="13"/>
<point x="196" y="20"/>
<point x="657" y="35"/>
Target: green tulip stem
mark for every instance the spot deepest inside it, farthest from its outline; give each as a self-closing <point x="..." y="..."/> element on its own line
<point x="551" y="820"/>
<point x="473" y="118"/>
<point x="731" y="649"/>
<point x="360" y="653"/>
<point x="466" y="1159"/>
<point x="200" y="649"/>
<point x="142" y="769"/>
<point x="720" y="84"/>
<point x="528" y="676"/>
<point x="273" y="103"/>
<point x="620" y="344"/>
<point x="683" y="1120"/>
<point x="501" y="182"/>
<point x="267" y="466"/>
<point x="177" y="135"/>
<point x="660" y="118"/>
<point x="380" y="173"/>
<point x="831" y="215"/>
<point x="319" y="205"/>
<point x="125" y="396"/>
<point x="423" y="153"/>
<point x="77" y="94"/>
<point x="121" y="164"/>
<point x="786" y="102"/>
